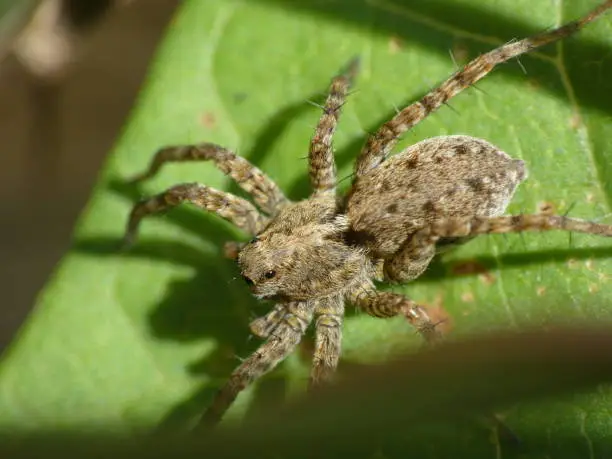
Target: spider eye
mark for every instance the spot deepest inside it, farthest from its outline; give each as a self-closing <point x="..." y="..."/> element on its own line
<point x="270" y="274"/>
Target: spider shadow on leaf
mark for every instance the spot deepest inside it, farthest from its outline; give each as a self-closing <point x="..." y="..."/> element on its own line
<point x="267" y="137"/>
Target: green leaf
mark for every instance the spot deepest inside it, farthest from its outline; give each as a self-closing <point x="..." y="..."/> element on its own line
<point x="123" y="341"/>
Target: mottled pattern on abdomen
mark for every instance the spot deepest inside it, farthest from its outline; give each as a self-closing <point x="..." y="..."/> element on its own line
<point x="442" y="176"/>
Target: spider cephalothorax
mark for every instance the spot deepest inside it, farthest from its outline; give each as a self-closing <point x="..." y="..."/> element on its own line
<point x="301" y="254"/>
<point x="314" y="256"/>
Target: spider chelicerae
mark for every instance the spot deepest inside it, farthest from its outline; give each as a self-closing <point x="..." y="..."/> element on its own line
<point x="313" y="256"/>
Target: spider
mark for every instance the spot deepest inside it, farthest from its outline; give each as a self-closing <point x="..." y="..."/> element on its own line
<point x="314" y="255"/>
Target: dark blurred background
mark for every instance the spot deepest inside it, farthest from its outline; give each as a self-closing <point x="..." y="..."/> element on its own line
<point x="69" y="73"/>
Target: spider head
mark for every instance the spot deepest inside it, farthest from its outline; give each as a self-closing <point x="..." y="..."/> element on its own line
<point x="301" y="258"/>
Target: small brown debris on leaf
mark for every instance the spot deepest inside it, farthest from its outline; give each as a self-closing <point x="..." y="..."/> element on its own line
<point x="487" y="278"/>
<point x="572" y="263"/>
<point x="467" y="297"/>
<point x="395" y="44"/>
<point x="208" y="120"/>
<point x="473" y="267"/>
<point x="546" y="208"/>
<point x="468" y="267"/>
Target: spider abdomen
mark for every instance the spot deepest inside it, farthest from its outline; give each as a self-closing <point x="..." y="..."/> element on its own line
<point x="448" y="176"/>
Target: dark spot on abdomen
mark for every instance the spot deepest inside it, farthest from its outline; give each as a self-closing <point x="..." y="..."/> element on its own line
<point x="412" y="162"/>
<point x="391" y="208"/>
<point x="385" y="187"/>
<point x="429" y="206"/>
<point x="475" y="184"/>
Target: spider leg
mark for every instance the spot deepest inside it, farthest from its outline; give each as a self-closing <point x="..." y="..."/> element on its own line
<point x="265" y="325"/>
<point x="461" y="227"/>
<point x="322" y="167"/>
<point x="265" y="192"/>
<point x="412" y="259"/>
<point x="379" y="145"/>
<point x="328" y="341"/>
<point x="236" y="210"/>
<point x="279" y="344"/>
<point x="389" y="304"/>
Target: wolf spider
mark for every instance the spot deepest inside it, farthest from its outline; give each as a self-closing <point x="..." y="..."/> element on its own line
<point x="313" y="255"/>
